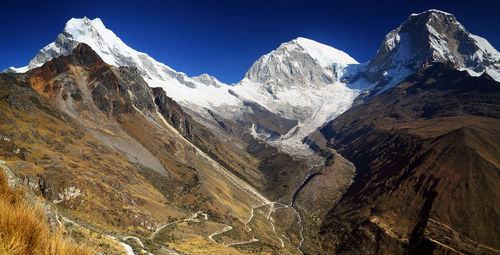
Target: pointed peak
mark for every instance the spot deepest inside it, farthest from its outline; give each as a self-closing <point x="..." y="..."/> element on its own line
<point x="303" y="40"/>
<point x="430" y="36"/>
<point x="207" y="80"/>
<point x="79" y="23"/>
<point x="324" y="54"/>
<point x="431" y="11"/>
<point x="86" y="54"/>
<point x="432" y="16"/>
<point x="97" y="22"/>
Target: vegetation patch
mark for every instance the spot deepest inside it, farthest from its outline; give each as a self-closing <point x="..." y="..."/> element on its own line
<point x="24" y="230"/>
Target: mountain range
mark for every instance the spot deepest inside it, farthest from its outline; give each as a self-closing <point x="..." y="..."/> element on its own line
<point x="311" y="152"/>
<point x="304" y="82"/>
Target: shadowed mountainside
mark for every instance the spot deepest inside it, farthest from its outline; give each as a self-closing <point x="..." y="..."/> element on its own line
<point x="427" y="168"/>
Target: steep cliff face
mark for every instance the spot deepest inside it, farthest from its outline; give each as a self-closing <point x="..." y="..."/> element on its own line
<point x="171" y="111"/>
<point x="426" y="157"/>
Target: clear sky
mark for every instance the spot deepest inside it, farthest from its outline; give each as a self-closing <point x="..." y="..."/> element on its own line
<point x="224" y="38"/>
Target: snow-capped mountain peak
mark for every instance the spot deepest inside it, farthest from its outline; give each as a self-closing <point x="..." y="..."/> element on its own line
<point x="92" y="32"/>
<point x="299" y="61"/>
<point x="430" y="36"/>
<point x="430" y="12"/>
<point x="325" y="55"/>
<point x="115" y="52"/>
<point x="300" y="80"/>
<point x="98" y="37"/>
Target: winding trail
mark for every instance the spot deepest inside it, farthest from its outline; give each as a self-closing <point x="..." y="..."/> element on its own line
<point x="253" y="240"/>
<point x="250" y="219"/>
<point x="139" y="242"/>
<point x="274" y="230"/>
<point x="128" y="248"/>
<point x="248" y="229"/>
<point x="193" y="217"/>
<point x="247" y="188"/>
<point x="225" y="229"/>
<point x="162" y="226"/>
<point x="136" y="239"/>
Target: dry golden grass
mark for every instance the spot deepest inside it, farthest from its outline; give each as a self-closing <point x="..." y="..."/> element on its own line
<point x="23" y="230"/>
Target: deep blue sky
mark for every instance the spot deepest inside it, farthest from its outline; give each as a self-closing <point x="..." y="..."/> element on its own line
<point x="224" y="38"/>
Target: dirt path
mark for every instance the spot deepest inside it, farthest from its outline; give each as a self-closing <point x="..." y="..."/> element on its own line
<point x="253" y="240"/>
<point x="193" y="216"/>
<point x="274" y="230"/>
<point x="225" y="229"/>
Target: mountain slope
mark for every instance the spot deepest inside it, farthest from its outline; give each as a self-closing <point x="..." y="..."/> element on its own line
<point x="24" y="228"/>
<point x="192" y="177"/>
<point x="102" y="139"/>
<point x="426" y="155"/>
